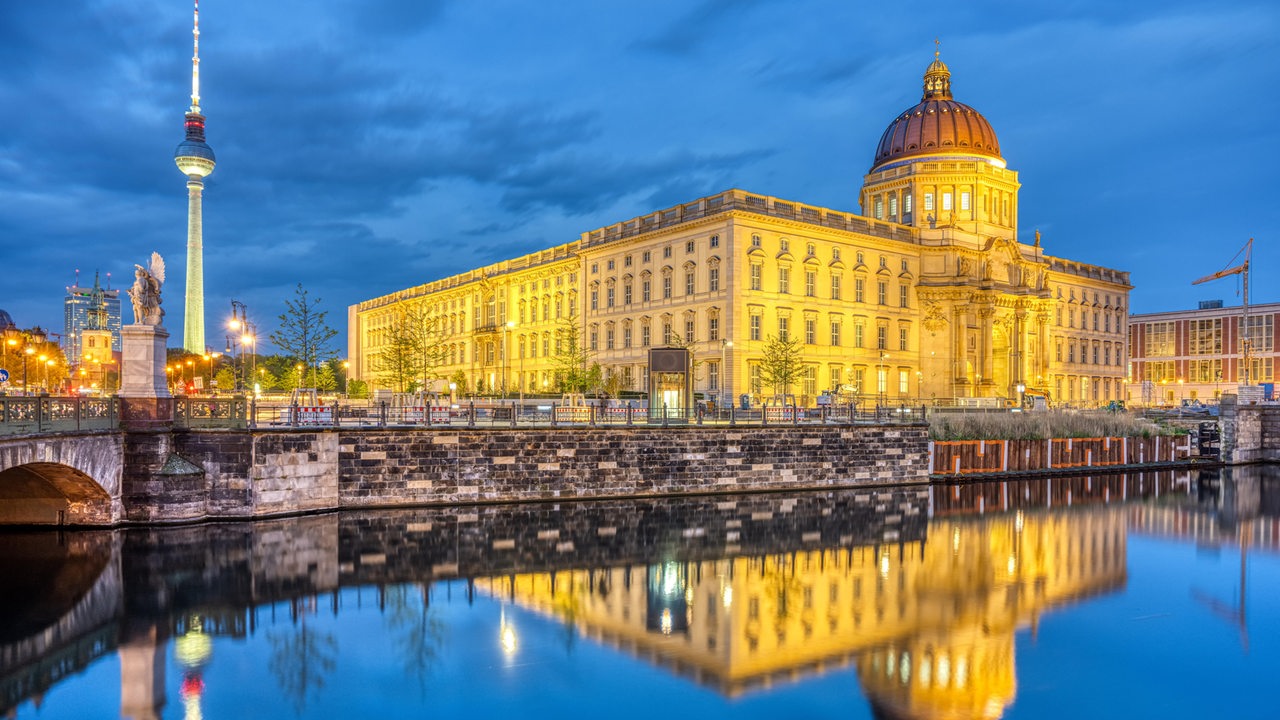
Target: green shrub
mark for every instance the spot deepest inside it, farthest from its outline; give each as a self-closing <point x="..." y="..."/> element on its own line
<point x="1040" y="425"/>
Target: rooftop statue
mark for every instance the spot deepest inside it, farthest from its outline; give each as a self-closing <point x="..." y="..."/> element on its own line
<point x="145" y="292"/>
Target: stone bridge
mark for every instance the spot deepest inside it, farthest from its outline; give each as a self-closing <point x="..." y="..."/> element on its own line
<point x="61" y="479"/>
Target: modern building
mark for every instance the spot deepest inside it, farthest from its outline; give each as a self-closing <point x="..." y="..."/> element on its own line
<point x="927" y="294"/>
<point x="90" y="308"/>
<point x="1199" y="354"/>
<point x="195" y="159"/>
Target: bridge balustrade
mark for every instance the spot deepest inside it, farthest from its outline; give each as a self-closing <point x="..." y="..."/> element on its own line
<point x="40" y="414"/>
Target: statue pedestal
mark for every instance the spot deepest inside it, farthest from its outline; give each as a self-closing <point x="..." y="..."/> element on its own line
<point x="144" y="386"/>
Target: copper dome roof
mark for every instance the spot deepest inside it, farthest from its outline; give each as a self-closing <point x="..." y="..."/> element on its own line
<point x="938" y="124"/>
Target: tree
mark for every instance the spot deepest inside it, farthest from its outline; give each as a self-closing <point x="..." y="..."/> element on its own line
<point x="459" y="379"/>
<point x="572" y="360"/>
<point x="781" y="365"/>
<point x="225" y="379"/>
<point x="303" y="333"/>
<point x="357" y="389"/>
<point x="412" y="354"/>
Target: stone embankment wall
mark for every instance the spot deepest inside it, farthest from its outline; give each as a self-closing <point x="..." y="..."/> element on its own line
<point x="1250" y="433"/>
<point x="966" y="457"/>
<point x="263" y="473"/>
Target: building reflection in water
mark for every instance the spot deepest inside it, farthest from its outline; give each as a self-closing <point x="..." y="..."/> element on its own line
<point x="920" y="590"/>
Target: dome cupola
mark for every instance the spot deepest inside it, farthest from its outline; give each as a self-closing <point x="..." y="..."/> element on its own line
<point x="937" y="125"/>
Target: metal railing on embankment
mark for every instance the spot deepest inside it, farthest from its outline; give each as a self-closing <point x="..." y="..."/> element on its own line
<point x="552" y="414"/>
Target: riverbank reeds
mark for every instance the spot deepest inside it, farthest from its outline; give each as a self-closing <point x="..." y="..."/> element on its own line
<point x="1041" y="425"/>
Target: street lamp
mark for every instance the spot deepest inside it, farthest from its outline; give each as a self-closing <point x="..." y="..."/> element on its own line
<point x="298" y="368"/>
<point x="346" y="370"/>
<point x="725" y="344"/>
<point x="506" y="358"/>
<point x="1021" y="397"/>
<point x="26" y="355"/>
<point x="882" y="376"/>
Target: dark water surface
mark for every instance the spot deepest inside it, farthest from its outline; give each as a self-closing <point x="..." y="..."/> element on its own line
<point x="1142" y="595"/>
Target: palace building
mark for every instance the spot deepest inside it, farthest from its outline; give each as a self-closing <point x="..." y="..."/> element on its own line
<point x="926" y="294"/>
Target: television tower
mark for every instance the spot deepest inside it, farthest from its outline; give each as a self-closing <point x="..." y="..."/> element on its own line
<point x="195" y="159"/>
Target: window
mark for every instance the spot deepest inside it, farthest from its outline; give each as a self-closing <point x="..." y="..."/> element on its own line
<point x="609" y="265"/>
<point x="715" y="241"/>
<point x="755" y="241"/>
<point x="755" y="327"/>
<point x="835" y="286"/>
<point x="882" y="290"/>
<point x="784" y="328"/>
<point x="835" y="253"/>
<point x="1160" y="339"/>
<point x="595" y="300"/>
<point x="713" y="327"/>
<point x="626" y="262"/>
<point x="835" y="333"/>
<point x="946" y="201"/>
<point x="859" y="289"/>
<point x="784" y="280"/>
<point x="785" y="244"/>
<point x="902" y="338"/>
<point x="902" y="296"/>
<point x="608" y="296"/>
<point x="1206" y="336"/>
<point x="666" y="287"/>
<point x="755" y="276"/>
<point x="595" y="268"/>
<point x="667" y="335"/>
<point x="928" y="201"/>
<point x="893" y="207"/>
<point x="713" y="279"/>
<point x="646" y="289"/>
<point x="595" y="338"/>
<point x="608" y="337"/>
<point x="756" y="383"/>
<point x="689" y="328"/>
<point x="713" y="379"/>
<point x="964" y="201"/>
<point x="906" y="204"/>
<point x="810" y="249"/>
<point x="645" y="256"/>
<point x="626" y="293"/>
<point x="666" y="251"/>
<point x="859" y="333"/>
<point x="903" y="378"/>
<point x="688" y="247"/>
<point x="688" y="282"/>
<point x="879" y="209"/>
<point x="809" y="386"/>
<point x="882" y="342"/>
<point x="626" y="335"/>
<point x="810" y="283"/>
<point x="810" y="331"/>
<point x="905" y="266"/>
<point x="644" y="334"/>
<point x="834" y="382"/>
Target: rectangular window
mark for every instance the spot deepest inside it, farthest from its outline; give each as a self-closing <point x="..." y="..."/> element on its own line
<point x="645" y="256"/>
<point x="688" y="247"/>
<point x="859" y="289"/>
<point x="626" y="336"/>
<point x="756" y="383"/>
<point x="645" y="335"/>
<point x="608" y="338"/>
<point x="713" y="376"/>
<point x="666" y="251"/>
<point x="689" y="329"/>
<point x="964" y="201"/>
<point x="626" y="294"/>
<point x="784" y="328"/>
<point x="882" y="291"/>
<point x="810" y="331"/>
<point x="902" y="338"/>
<point x="893" y="207"/>
<point x="1206" y="336"/>
<point x="713" y="327"/>
<point x="755" y="327"/>
<point x="715" y="241"/>
<point x="784" y="280"/>
<point x="688" y="282"/>
<point x="859" y="335"/>
<point x="608" y="297"/>
<point x="595" y="339"/>
<point x="946" y="201"/>
<point x="666" y="287"/>
<point x="626" y="262"/>
<point x="1160" y="339"/>
<point x="882" y="340"/>
<point x="809" y="383"/>
<point x="928" y="201"/>
<point x="835" y="333"/>
<point x="667" y="335"/>
<point x="609" y="265"/>
<point x="879" y="211"/>
<point x="810" y="283"/>
<point x="834" y="381"/>
<point x="835" y="286"/>
<point x="595" y="301"/>
<point x="713" y="279"/>
<point x="646" y="290"/>
<point x="904" y="387"/>
<point x="755" y="276"/>
<point x="902" y="296"/>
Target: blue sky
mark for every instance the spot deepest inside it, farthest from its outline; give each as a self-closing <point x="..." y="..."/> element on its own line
<point x="365" y="146"/>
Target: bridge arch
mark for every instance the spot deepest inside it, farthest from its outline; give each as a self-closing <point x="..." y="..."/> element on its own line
<point x="66" y="479"/>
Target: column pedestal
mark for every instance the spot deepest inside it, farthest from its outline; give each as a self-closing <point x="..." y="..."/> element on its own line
<point x="144" y="388"/>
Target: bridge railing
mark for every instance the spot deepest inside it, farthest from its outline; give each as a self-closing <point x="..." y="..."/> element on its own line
<point x="40" y="414"/>
<point x="552" y="414"/>
<point x="218" y="412"/>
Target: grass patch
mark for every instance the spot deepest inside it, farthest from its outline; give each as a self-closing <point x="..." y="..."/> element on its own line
<point x="1041" y="425"/>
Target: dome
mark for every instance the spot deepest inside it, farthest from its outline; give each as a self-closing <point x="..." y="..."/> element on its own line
<point x="937" y="125"/>
<point x="6" y="320"/>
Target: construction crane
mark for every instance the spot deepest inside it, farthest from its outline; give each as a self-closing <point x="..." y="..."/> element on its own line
<point x="1243" y="271"/>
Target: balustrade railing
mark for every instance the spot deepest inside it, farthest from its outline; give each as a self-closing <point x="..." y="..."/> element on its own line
<point x="39" y="414"/>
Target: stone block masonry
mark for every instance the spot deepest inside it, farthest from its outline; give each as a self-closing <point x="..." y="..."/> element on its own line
<point x="451" y="466"/>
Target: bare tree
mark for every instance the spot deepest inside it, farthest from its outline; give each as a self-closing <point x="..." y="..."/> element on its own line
<point x="781" y="365"/>
<point x="303" y="332"/>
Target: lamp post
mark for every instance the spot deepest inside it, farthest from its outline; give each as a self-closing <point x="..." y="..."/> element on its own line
<point x="726" y="398"/>
<point x="1022" y="389"/>
<point x="506" y="358"/>
<point x="298" y="369"/>
<point x="346" y="369"/>
<point x="882" y="377"/>
<point x="191" y="364"/>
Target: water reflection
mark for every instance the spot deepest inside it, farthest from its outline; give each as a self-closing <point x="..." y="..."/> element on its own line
<point x="920" y="592"/>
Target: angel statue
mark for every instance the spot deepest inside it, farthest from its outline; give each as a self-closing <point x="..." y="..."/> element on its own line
<point x="145" y="292"/>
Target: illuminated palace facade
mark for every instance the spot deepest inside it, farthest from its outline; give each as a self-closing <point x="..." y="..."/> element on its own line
<point x="928" y="294"/>
<point x="1199" y="354"/>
